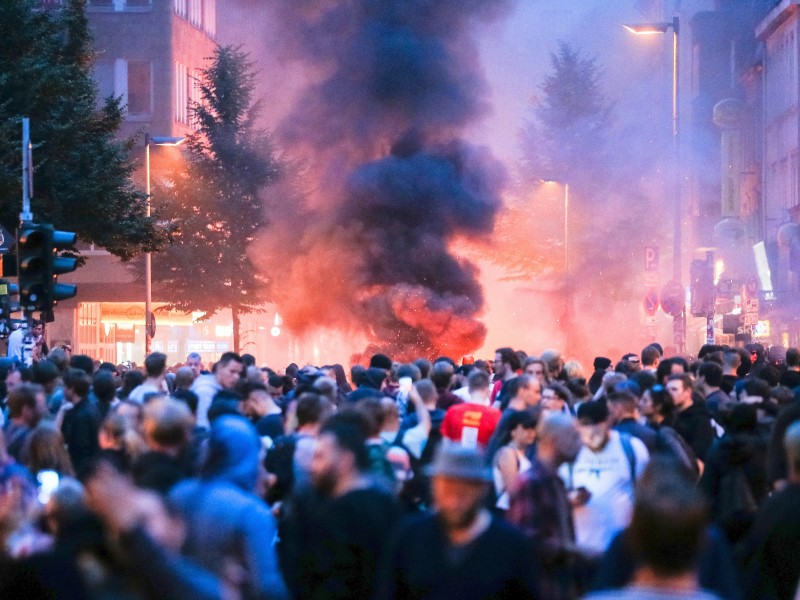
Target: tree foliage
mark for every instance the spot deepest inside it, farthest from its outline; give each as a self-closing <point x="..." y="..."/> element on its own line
<point x="567" y="139"/>
<point x="82" y="173"/>
<point x="215" y="197"/>
<point x="564" y="142"/>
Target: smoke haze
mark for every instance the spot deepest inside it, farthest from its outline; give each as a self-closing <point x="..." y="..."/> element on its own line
<point x="394" y="84"/>
<point x="392" y="106"/>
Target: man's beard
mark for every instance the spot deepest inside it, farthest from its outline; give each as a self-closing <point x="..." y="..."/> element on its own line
<point x="463" y="521"/>
<point x="325" y="482"/>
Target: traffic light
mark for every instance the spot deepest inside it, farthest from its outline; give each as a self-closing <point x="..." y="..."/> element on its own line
<point x="34" y="250"/>
<point x="8" y="304"/>
<point x="40" y="264"/>
<point x="59" y="265"/>
<point x="701" y="284"/>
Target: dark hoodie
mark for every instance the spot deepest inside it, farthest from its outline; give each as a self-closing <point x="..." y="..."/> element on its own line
<point x="226" y="522"/>
<point x="369" y="386"/>
<point x="694" y="426"/>
<point x="740" y="448"/>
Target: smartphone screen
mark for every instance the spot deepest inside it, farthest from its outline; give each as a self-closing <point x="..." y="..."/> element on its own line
<point x="48" y="483"/>
<point x="405" y="385"/>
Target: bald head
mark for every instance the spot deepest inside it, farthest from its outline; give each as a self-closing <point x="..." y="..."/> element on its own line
<point x="184" y="378"/>
<point x="558" y="439"/>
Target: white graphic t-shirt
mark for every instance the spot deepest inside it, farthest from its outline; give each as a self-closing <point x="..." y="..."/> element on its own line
<point x="607" y="476"/>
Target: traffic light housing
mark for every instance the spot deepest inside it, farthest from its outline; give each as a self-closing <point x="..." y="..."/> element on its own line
<point x="60" y="265"/>
<point x="34" y="250"/>
<point x="703" y="294"/>
<point x="8" y="305"/>
<point x="40" y="264"/>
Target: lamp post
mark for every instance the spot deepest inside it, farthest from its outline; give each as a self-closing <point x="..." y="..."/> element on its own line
<point x="148" y="265"/>
<point x="567" y="295"/>
<point x="679" y="323"/>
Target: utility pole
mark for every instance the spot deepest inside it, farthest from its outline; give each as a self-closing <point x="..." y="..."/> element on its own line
<point x="26" y="217"/>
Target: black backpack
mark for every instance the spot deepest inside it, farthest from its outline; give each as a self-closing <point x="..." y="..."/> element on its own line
<point x="280" y="462"/>
<point x="736" y="500"/>
<point x="415" y="493"/>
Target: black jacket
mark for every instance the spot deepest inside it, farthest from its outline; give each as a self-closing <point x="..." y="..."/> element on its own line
<point x="80" y="428"/>
<point x="694" y="425"/>
<point x="730" y="452"/>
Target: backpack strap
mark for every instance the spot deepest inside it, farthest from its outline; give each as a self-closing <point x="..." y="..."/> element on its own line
<point x="398" y="439"/>
<point x="627" y="447"/>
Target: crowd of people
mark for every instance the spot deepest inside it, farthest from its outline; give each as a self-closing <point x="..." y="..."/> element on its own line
<point x="519" y="477"/>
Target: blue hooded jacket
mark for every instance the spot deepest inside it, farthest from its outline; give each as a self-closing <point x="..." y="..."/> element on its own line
<point x="228" y="526"/>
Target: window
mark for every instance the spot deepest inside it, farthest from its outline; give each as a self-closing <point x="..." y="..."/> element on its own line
<point x="209" y="17"/>
<point x="103" y="75"/>
<point x="139" y="87"/>
<point x="200" y="13"/>
<point x="195" y="95"/>
<point x="181" y="99"/>
<point x="195" y="12"/>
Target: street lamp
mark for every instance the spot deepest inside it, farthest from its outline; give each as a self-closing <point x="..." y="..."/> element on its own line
<point x="567" y="295"/>
<point x="148" y="272"/>
<point x="566" y="221"/>
<point x="679" y="325"/>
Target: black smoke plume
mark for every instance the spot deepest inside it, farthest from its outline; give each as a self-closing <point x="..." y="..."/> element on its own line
<point x="392" y="86"/>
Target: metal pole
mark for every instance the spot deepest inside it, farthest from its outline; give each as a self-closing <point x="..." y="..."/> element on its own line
<point x="566" y="228"/>
<point x="710" y="314"/>
<point x="148" y="275"/>
<point x="26" y="215"/>
<point x="568" y="289"/>
<point x="679" y="324"/>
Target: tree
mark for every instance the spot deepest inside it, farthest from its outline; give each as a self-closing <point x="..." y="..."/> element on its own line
<point x="568" y="138"/>
<point x="82" y="173"/>
<point x="573" y="138"/>
<point x="215" y="198"/>
<point x="565" y="141"/>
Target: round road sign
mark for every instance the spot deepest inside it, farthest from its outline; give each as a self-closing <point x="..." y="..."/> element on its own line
<point x="651" y="301"/>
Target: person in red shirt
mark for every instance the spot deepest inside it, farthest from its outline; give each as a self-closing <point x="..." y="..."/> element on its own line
<point x="506" y="366"/>
<point x="472" y="423"/>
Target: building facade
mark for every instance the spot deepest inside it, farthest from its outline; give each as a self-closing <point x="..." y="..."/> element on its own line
<point x="778" y="33"/>
<point x="148" y="54"/>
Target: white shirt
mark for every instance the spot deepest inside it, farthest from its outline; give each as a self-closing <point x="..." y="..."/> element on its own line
<point x="138" y="393"/>
<point x="414" y="439"/>
<point x="463" y="393"/>
<point x="607" y="476"/>
<point x="15" y="345"/>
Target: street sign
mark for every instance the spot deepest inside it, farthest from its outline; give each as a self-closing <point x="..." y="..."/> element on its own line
<point x="726" y="286"/>
<point x="151" y="325"/>
<point x="751" y="286"/>
<point x="750" y="304"/>
<point x="651" y="301"/>
<point x="731" y="323"/>
<point x="673" y="298"/>
<point x="651" y="280"/>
